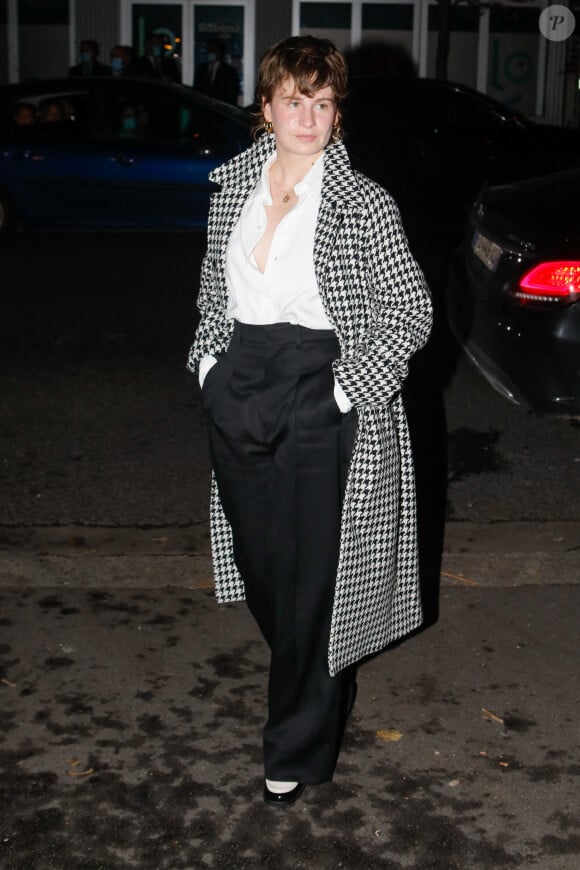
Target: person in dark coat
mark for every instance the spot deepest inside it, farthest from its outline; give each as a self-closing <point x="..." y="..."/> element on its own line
<point x="217" y="78"/>
<point x="155" y="64"/>
<point x="89" y="65"/>
<point x="311" y="307"/>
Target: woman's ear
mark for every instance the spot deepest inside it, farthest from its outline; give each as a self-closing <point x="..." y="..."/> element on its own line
<point x="266" y="110"/>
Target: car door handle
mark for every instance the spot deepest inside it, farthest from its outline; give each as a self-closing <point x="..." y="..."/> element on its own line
<point x="124" y="159"/>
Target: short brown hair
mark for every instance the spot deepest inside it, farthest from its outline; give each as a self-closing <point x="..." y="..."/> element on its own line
<point x="312" y="62"/>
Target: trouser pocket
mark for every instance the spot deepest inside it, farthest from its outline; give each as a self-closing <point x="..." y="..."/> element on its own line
<point x="215" y="382"/>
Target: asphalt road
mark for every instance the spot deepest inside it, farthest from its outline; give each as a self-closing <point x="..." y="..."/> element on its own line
<point x="101" y="423"/>
<point x="131" y="706"/>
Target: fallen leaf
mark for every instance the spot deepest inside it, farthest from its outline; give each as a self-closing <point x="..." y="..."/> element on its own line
<point x="202" y="584"/>
<point x="454" y="783"/>
<point x="504" y="764"/>
<point x="389" y="734"/>
<point x="6" y="682"/>
<point x="459" y="579"/>
<point x="489" y="714"/>
<point x="86" y="772"/>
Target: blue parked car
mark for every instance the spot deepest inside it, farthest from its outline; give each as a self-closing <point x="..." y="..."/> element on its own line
<point x="111" y="153"/>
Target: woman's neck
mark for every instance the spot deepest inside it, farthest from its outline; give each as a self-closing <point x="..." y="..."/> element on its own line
<point x="289" y="170"/>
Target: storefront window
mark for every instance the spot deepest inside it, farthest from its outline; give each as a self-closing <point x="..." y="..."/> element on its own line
<point x="225" y="23"/>
<point x="389" y="25"/>
<point x="163" y="18"/>
<point x="514" y="43"/>
<point x="327" y="20"/>
<point x="464" y="38"/>
<point x="43" y="37"/>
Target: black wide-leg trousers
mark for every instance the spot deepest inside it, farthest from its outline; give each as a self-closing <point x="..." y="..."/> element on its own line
<point x="280" y="448"/>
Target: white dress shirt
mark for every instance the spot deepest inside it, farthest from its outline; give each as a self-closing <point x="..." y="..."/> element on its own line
<point x="286" y="291"/>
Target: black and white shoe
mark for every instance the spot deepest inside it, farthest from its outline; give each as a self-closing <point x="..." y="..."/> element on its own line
<point x="282" y="798"/>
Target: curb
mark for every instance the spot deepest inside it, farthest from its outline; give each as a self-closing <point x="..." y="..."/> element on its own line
<point x="500" y="555"/>
<point x="511" y="554"/>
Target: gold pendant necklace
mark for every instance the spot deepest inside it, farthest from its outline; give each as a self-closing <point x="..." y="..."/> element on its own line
<point x="286" y="198"/>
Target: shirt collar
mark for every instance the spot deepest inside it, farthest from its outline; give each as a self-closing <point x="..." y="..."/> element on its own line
<point x="311" y="183"/>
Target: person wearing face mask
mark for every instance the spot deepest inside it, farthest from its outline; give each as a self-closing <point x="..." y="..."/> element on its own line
<point x="133" y="122"/>
<point x="121" y="57"/>
<point x="217" y="78"/>
<point x="89" y="65"/>
<point x="154" y="63"/>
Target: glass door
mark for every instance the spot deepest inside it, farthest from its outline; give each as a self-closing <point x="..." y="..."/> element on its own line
<point x="328" y="20"/>
<point x="515" y="64"/>
<point x="165" y="19"/>
<point x="188" y="26"/>
<point x="223" y="49"/>
<point x="380" y="38"/>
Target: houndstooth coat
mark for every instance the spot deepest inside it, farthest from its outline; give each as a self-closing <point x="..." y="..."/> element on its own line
<point x="375" y="296"/>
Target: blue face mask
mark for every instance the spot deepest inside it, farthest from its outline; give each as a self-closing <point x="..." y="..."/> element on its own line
<point x="86" y="57"/>
<point x="116" y="64"/>
<point x="211" y="56"/>
<point x="130" y="123"/>
<point x="157" y="50"/>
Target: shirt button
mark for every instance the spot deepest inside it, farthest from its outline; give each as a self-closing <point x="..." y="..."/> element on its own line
<point x="259" y="227"/>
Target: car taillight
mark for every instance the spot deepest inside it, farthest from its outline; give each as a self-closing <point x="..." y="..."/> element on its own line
<point x="552" y="282"/>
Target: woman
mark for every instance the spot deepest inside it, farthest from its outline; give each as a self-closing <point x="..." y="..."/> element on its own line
<point x="311" y="306"/>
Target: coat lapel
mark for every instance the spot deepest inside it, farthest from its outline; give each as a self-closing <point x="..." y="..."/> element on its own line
<point x="340" y="197"/>
<point x="237" y="179"/>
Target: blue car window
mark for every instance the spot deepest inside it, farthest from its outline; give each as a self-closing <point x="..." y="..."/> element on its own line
<point x="185" y="118"/>
<point x="156" y="116"/>
<point x="44" y="115"/>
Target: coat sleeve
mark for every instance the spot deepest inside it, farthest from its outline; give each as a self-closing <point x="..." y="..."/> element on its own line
<point x="214" y="330"/>
<point x="400" y="308"/>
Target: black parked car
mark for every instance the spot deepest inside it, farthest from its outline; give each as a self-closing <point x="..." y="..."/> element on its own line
<point x="111" y="153"/>
<point x="434" y="144"/>
<point x="514" y="291"/>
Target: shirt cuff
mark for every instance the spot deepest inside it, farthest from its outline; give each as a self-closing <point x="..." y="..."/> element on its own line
<point x="341" y="399"/>
<point x="205" y="364"/>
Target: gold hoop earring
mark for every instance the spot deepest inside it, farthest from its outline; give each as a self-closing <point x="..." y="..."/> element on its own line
<point x="336" y="134"/>
<point x="268" y="127"/>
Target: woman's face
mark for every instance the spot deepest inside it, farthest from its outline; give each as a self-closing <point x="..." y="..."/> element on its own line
<point x="302" y="125"/>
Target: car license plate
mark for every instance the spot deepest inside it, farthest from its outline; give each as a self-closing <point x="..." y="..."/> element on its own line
<point x="487" y="251"/>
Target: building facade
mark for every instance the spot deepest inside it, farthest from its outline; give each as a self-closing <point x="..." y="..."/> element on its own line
<point x="498" y="50"/>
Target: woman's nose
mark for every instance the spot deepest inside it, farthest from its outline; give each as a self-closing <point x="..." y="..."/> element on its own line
<point x="308" y="116"/>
